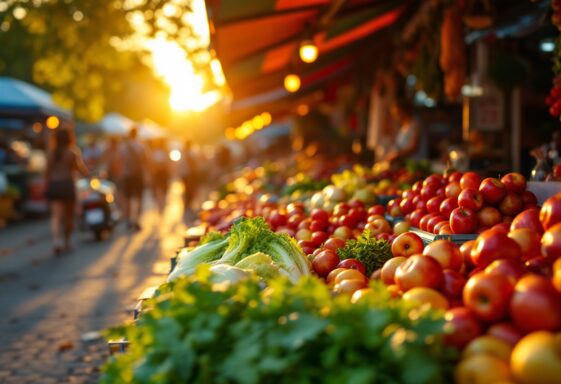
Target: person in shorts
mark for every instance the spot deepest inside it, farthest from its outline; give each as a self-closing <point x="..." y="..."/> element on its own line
<point x="134" y="160"/>
<point x="64" y="162"/>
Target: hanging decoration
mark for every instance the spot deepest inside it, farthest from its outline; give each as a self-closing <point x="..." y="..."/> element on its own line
<point x="553" y="100"/>
<point x="452" y="53"/>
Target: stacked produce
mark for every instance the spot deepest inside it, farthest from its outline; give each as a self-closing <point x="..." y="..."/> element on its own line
<point x="463" y="203"/>
<point x="285" y="333"/>
<point x="243" y="305"/>
<point x="501" y="293"/>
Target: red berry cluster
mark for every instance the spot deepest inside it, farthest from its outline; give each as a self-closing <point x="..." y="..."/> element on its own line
<point x="553" y="100"/>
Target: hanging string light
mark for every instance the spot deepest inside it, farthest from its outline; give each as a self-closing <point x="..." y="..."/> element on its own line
<point x="292" y="82"/>
<point x="308" y="51"/>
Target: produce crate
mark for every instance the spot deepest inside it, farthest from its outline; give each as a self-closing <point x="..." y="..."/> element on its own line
<point x="392" y="220"/>
<point x="385" y="199"/>
<point x="430" y="237"/>
<point x="145" y="295"/>
<point x="117" y="346"/>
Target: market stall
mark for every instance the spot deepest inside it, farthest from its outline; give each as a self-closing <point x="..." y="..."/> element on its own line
<point x="318" y="265"/>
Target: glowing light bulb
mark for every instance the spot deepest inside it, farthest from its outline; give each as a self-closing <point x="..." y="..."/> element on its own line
<point x="292" y="82"/>
<point x="308" y="51"/>
<point x="52" y="122"/>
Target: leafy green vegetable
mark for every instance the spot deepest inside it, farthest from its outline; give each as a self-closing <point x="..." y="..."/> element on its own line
<point x="188" y="260"/>
<point x="286" y="333"/>
<point x="247" y="237"/>
<point x="262" y="264"/>
<point x="211" y="236"/>
<point x="369" y="251"/>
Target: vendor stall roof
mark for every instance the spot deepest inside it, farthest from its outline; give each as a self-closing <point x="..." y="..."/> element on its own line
<point x="254" y="38"/>
<point x="18" y="98"/>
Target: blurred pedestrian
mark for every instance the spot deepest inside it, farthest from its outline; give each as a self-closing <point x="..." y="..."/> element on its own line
<point x="410" y="140"/>
<point x="114" y="167"/>
<point x="161" y="169"/>
<point x="135" y="166"/>
<point x="64" y="161"/>
<point x="189" y="175"/>
<point x="92" y="155"/>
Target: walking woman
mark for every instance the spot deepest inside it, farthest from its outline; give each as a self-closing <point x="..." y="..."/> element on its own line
<point x="160" y="166"/>
<point x="64" y="161"/>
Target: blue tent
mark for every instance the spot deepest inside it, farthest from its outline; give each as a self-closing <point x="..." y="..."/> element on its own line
<point x="18" y="98"/>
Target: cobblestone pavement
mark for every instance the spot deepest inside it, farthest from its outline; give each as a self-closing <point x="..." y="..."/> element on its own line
<point x="51" y="309"/>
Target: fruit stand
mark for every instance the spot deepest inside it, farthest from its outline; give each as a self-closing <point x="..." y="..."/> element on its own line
<point x="272" y="288"/>
<point x="306" y="269"/>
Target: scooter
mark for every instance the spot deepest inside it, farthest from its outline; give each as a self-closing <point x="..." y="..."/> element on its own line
<point x="99" y="212"/>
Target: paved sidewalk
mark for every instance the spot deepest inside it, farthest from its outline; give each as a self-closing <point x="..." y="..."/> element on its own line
<point x="49" y="306"/>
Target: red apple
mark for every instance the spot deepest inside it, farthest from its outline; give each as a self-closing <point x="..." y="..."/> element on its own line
<point x="551" y="242"/>
<point x="511" y="204"/>
<point x="530" y="219"/>
<point x="416" y="216"/>
<point x="334" y="244"/>
<point x="463" y="221"/>
<point x="470" y="180"/>
<point x="324" y="262"/>
<point x="535" y="305"/>
<point x="419" y="271"/>
<point x="277" y="219"/>
<point x="514" y="182"/>
<point x="388" y="269"/>
<point x="465" y="249"/>
<point x="343" y="233"/>
<point x="506" y="332"/>
<point x="319" y="215"/>
<point x="446" y="253"/>
<point x="440" y="192"/>
<point x="501" y="227"/>
<point x="470" y="198"/>
<point x="424" y="220"/>
<point x="550" y="214"/>
<point x="393" y="208"/>
<point x="304" y="224"/>
<point x="529" y="242"/>
<point x="492" y="190"/>
<point x="307" y="246"/>
<point x="511" y="269"/>
<point x="319" y="225"/>
<point x="441" y="225"/>
<point x="407" y="244"/>
<point x="454" y="176"/>
<point x="434" y="179"/>
<point x="352" y="264"/>
<point x="488" y="296"/>
<point x="445" y="230"/>
<point x="429" y="191"/>
<point x="433" y="205"/>
<point x="453" y="285"/>
<point x="462" y="325"/>
<point x="376" y="210"/>
<point x="452" y="190"/>
<point x="556" y="271"/>
<point x="489" y="216"/>
<point x="406" y="206"/>
<point x="494" y="245"/>
<point x="539" y="265"/>
<point x="408" y="194"/>
<point x="528" y="198"/>
<point x="417" y="187"/>
<point x="433" y="221"/>
<point x="378" y="226"/>
<point x="447" y="206"/>
<point x="319" y="237"/>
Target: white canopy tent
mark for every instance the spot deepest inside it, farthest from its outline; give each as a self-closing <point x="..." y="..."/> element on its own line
<point x="116" y="124"/>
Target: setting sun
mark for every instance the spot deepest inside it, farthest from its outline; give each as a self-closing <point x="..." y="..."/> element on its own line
<point x="171" y="62"/>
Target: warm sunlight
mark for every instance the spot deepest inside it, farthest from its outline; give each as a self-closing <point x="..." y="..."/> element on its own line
<point x="172" y="64"/>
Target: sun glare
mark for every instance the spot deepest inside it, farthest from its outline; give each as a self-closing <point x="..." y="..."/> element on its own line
<point x="171" y="63"/>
